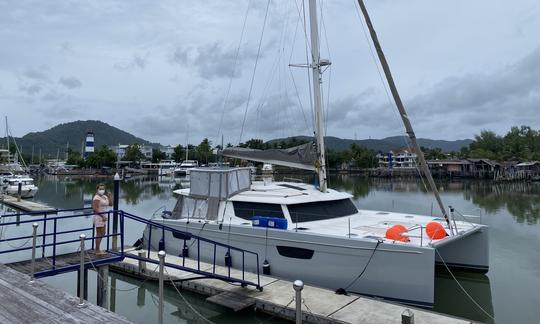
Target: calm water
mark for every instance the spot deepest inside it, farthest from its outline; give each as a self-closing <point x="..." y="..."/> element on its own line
<point x="509" y="290"/>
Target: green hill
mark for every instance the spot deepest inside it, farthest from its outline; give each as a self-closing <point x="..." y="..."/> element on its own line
<point x="58" y="137"/>
<point x="386" y="144"/>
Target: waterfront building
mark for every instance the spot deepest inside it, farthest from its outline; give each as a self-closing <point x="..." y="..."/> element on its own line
<point x="399" y="159"/>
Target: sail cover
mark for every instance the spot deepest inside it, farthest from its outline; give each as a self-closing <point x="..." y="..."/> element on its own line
<point x="300" y="157"/>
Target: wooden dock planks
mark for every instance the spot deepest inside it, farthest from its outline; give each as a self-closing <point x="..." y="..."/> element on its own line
<point x="25" y="205"/>
<point x="24" y="302"/>
<point x="43" y="264"/>
<point x="232" y="300"/>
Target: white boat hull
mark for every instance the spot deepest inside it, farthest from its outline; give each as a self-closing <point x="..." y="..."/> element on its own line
<point x="25" y="192"/>
<point x="395" y="272"/>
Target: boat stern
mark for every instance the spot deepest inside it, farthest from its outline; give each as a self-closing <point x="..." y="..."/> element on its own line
<point x="466" y="251"/>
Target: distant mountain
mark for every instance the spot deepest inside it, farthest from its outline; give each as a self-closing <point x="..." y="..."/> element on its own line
<point x="74" y="133"/>
<point x="386" y="144"/>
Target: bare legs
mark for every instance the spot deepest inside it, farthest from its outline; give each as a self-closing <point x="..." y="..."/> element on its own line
<point x="100" y="232"/>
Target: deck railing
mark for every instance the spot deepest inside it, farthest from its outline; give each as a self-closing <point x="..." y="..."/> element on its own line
<point x="53" y="239"/>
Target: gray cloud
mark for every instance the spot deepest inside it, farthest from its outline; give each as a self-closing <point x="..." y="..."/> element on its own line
<point x="36" y="74"/>
<point x="136" y="62"/>
<point x="70" y="82"/>
<point x="31" y="89"/>
<point x="454" y="68"/>
<point x="213" y="60"/>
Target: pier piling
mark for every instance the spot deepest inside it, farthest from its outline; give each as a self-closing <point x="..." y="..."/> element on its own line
<point x="102" y="291"/>
<point x="82" y="274"/>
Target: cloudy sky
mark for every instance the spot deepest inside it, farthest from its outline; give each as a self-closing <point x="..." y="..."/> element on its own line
<point x="154" y="67"/>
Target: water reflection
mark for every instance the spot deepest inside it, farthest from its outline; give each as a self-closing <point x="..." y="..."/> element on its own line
<point x="186" y="308"/>
<point x="450" y="298"/>
<point x="510" y="209"/>
<point x="521" y="199"/>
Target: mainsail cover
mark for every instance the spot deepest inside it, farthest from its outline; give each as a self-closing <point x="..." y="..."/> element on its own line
<point x="301" y="157"/>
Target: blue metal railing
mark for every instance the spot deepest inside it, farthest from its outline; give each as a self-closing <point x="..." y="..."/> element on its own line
<point x="183" y="237"/>
<point x="60" y="216"/>
<point x="45" y="243"/>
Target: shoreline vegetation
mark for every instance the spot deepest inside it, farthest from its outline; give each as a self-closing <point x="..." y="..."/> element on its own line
<point x="498" y="153"/>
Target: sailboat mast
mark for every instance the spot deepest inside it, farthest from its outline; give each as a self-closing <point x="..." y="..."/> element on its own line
<point x="187" y="144"/>
<point x="7" y="136"/>
<point x="404" y="117"/>
<point x="316" y="75"/>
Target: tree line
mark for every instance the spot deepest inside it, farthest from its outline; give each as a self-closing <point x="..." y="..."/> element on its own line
<point x="519" y="143"/>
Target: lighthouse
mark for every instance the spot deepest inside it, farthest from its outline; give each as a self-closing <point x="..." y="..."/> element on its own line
<point x="89" y="144"/>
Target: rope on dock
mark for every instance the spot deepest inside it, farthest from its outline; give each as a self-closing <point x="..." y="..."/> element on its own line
<point x="119" y="289"/>
<point x="464" y="290"/>
<point x="344" y="290"/>
<point x="185" y="300"/>
<point x="279" y="312"/>
<point x="315" y="317"/>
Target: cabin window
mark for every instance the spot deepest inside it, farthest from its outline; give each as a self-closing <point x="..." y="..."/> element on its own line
<point x="247" y="210"/>
<point x="319" y="210"/>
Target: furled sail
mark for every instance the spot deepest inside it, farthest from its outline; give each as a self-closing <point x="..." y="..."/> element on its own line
<point x="301" y="157"/>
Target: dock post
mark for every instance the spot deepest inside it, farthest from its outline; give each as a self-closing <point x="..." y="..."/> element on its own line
<point x="142" y="264"/>
<point x="116" y="193"/>
<point x="19" y="191"/>
<point x="102" y="292"/>
<point x="81" y="273"/>
<point x="298" y="285"/>
<point x="161" y="255"/>
<point x="34" y="239"/>
<point x="113" y="294"/>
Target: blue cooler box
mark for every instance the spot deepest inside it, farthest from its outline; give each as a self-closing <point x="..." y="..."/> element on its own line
<point x="270" y="222"/>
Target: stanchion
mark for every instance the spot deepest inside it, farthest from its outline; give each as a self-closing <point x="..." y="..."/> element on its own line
<point x="142" y="264"/>
<point x="298" y="285"/>
<point x="161" y="255"/>
<point x="116" y="194"/>
<point x="81" y="272"/>
<point x="34" y="241"/>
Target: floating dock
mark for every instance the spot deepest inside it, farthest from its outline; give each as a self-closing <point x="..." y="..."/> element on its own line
<point x="25" y="205"/>
<point x="277" y="298"/>
<point x="22" y="301"/>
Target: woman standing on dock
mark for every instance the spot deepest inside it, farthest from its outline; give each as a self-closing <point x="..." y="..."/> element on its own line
<point x="100" y="202"/>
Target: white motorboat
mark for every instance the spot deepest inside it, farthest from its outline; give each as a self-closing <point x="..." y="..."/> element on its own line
<point x="4" y="175"/>
<point x="267" y="168"/>
<point x="317" y="234"/>
<point x="10" y="186"/>
<point x="185" y="167"/>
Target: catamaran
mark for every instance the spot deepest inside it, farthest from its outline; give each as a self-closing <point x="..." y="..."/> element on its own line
<point x="316" y="234"/>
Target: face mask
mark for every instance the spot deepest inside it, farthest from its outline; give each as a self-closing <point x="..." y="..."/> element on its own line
<point x="101" y="192"/>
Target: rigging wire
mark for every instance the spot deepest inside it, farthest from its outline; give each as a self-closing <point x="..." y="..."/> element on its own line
<point x="225" y="102"/>
<point x="463" y="289"/>
<point x="384" y="86"/>
<point x="254" y="72"/>
<point x="292" y="75"/>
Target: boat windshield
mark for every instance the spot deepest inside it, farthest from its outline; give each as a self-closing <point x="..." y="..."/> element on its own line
<point x="319" y="210"/>
<point x="247" y="210"/>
